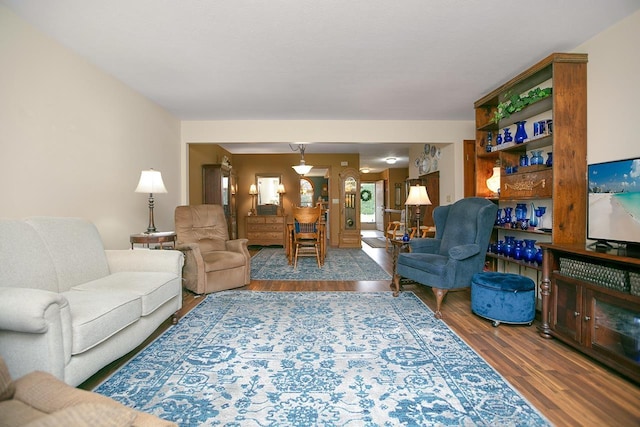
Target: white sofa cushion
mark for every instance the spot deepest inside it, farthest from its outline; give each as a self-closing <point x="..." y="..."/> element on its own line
<point x="75" y="247"/>
<point x="153" y="288"/>
<point x="25" y="263"/>
<point x="97" y="315"/>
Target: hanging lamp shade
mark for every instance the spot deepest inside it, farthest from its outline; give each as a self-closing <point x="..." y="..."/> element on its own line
<point x="302" y="168"/>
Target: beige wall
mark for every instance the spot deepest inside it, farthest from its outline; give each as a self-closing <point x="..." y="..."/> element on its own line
<point x="73" y="140"/>
<point x="613" y="92"/>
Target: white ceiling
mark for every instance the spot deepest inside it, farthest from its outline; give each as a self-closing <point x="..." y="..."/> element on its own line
<point x="319" y="59"/>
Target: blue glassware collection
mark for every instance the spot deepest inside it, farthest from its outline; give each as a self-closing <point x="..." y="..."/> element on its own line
<point x="516" y="218"/>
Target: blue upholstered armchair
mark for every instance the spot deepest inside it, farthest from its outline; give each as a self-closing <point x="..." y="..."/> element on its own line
<point x="458" y="250"/>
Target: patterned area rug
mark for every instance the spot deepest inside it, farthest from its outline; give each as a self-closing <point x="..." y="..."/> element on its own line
<point x="339" y="264"/>
<point x="244" y="358"/>
<point x="375" y="242"/>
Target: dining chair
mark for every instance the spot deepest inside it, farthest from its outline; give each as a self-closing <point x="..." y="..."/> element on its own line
<point x="306" y="233"/>
<point x="396" y="229"/>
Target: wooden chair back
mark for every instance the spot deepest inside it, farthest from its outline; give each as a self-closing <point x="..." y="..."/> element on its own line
<point x="305" y="222"/>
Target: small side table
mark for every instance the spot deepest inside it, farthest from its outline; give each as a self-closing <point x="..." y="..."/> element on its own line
<point x="397" y="246"/>
<point x="159" y="238"/>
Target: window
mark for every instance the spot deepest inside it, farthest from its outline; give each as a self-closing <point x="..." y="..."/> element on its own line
<point x="306" y="192"/>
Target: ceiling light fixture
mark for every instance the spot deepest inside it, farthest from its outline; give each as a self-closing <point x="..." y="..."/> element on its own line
<point x="302" y="168"/>
<point x="364" y="170"/>
<point x="390" y="160"/>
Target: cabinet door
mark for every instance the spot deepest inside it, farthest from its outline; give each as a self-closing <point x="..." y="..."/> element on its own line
<point x="566" y="306"/>
<point x="613" y="328"/>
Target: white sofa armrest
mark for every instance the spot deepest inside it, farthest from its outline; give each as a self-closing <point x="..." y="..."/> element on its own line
<point x="169" y="261"/>
<point x="23" y="309"/>
<point x="35" y="331"/>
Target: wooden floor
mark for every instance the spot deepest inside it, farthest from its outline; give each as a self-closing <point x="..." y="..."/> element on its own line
<point x="569" y="388"/>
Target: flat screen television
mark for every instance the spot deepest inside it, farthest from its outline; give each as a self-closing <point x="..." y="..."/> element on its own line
<point x="614" y="203"/>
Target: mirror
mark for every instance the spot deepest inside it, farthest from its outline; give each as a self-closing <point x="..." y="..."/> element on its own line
<point x="268" y="189"/>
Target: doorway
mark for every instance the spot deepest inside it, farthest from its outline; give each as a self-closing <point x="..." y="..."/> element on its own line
<point x="372" y="205"/>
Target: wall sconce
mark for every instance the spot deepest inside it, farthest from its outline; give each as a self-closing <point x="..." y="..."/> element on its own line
<point x="417" y="197"/>
<point x="151" y="182"/>
<point x="253" y="190"/>
<point x="302" y="168"/>
<point x="493" y="183"/>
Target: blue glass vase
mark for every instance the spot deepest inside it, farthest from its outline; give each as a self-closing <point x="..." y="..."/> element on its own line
<point x="521" y="133"/>
<point x="529" y="250"/>
<point x="507" y="135"/>
<point x="536" y="157"/>
<point x="518" y="250"/>
<point x="509" y="245"/>
<point x="521" y="211"/>
<point x="507" y="215"/>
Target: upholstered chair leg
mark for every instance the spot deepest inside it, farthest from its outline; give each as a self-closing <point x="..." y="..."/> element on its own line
<point x="439" y="294"/>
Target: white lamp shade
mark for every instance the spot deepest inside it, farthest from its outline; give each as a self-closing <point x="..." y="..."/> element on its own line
<point x="150" y="182"/>
<point x="417" y="196"/>
<point x="253" y="190"/>
<point x="493" y="183"/>
<point x="302" y="169"/>
<point x="281" y="189"/>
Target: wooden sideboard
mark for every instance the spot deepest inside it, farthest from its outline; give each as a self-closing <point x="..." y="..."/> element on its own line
<point x="591" y="301"/>
<point x="265" y="230"/>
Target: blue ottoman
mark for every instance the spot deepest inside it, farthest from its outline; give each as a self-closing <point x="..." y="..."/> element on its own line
<point x="503" y="297"/>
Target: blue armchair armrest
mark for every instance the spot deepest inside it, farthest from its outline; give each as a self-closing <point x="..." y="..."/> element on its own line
<point x="426" y="245"/>
<point x="464" y="251"/>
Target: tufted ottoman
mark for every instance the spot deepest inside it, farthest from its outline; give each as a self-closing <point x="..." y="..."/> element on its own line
<point x="503" y="297"/>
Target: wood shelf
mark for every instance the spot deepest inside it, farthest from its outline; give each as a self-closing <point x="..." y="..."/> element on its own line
<point x="568" y="143"/>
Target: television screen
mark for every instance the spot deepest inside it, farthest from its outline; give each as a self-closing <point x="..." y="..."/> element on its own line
<point x="614" y="201"/>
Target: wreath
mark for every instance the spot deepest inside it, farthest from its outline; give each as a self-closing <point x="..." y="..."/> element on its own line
<point x="365" y="195"/>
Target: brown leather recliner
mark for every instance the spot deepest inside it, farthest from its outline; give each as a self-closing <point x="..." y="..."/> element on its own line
<point x="212" y="262"/>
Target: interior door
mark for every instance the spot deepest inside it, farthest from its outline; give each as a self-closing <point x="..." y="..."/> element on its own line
<point x="380" y="205"/>
<point x="469" y="165"/>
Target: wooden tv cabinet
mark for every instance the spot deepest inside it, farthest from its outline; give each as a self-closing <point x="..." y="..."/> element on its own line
<point x="591" y="301"/>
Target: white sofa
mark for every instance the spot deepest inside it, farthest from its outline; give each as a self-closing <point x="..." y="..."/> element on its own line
<point x="70" y="307"/>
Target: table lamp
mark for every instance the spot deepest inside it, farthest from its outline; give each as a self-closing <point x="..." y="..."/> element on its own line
<point x="417" y="197"/>
<point x="151" y="182"/>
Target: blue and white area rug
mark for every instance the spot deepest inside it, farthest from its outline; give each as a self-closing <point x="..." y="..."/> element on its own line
<point x="339" y="264"/>
<point x="244" y="358"/>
